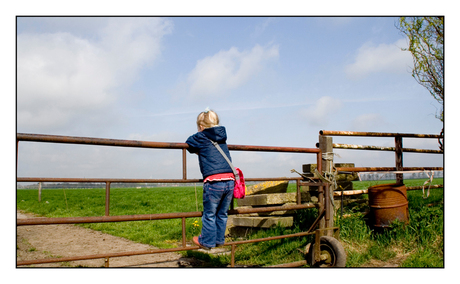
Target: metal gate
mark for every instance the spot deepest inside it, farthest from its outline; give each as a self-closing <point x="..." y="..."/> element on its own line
<point x="324" y="203"/>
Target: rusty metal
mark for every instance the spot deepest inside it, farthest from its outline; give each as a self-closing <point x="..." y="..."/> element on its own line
<point x="183" y="233"/>
<point x="147" y="144"/>
<point x="301" y="234"/>
<point x="299" y="196"/>
<point x="317" y="246"/>
<point x="131" y="253"/>
<point x="147" y="217"/>
<point x="388" y="202"/>
<point x="184" y="164"/>
<point x="272" y="149"/>
<point x="107" y="198"/>
<point x="387" y="169"/>
<point x="377" y="134"/>
<point x="327" y="202"/>
<point x="232" y="261"/>
<point x="399" y="158"/>
<point x="350" y="192"/>
<point x="315" y="223"/>
<point x="381" y="148"/>
<point x="48" y="221"/>
<point x="365" y="191"/>
<point x="114" y="180"/>
<point x="104" y="180"/>
<point x="183" y="216"/>
<point x="97" y="141"/>
<point x="312" y="183"/>
<point x="104" y="219"/>
<point x="398" y="149"/>
<point x="104" y="255"/>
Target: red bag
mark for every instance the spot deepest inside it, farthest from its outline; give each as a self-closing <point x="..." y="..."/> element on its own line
<point x="240" y="188"/>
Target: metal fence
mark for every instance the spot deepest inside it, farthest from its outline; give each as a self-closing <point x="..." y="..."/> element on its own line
<point x="322" y="205"/>
<point x="326" y="146"/>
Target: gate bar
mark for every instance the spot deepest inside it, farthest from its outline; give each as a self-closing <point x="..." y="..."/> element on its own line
<point x="147" y="144"/>
<point x="377" y="134"/>
<point x="144" y="217"/>
<point x="115" y="180"/>
<point x="382" y="148"/>
<point x="387" y="169"/>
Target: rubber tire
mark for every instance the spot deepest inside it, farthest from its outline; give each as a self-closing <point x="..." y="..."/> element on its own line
<point x="333" y="248"/>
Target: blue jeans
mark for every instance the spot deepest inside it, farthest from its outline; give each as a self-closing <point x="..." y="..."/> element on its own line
<point x="217" y="197"/>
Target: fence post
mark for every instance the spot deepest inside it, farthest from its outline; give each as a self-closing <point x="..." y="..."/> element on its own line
<point x="39" y="192"/>
<point x="399" y="158"/>
<point x="184" y="164"/>
<point x="327" y="161"/>
<point x="107" y="198"/>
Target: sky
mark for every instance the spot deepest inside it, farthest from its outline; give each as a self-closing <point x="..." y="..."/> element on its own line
<point x="270" y="79"/>
<point x="273" y="81"/>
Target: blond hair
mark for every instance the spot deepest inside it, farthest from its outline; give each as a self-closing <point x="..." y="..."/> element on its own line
<point x="207" y="119"/>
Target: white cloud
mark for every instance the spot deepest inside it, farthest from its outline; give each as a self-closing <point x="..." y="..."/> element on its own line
<point x="228" y="70"/>
<point x="64" y="77"/>
<point x="261" y="27"/>
<point x="387" y="58"/>
<point x="367" y="122"/>
<point x="319" y="113"/>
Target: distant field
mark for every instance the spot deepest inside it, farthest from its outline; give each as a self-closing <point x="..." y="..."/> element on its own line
<point x="421" y="242"/>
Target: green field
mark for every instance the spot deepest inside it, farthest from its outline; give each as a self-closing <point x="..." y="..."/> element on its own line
<point x="419" y="244"/>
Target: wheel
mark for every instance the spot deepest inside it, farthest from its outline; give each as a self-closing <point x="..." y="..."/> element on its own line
<point x="332" y="252"/>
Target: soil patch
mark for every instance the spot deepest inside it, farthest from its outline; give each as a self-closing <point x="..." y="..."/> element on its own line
<point x="51" y="241"/>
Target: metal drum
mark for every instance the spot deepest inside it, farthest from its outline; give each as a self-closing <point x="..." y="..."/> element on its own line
<point x="388" y="202"/>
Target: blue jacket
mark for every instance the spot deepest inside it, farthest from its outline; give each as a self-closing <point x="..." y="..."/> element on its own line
<point x="210" y="159"/>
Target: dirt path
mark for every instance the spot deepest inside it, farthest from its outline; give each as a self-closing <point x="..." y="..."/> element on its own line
<point x="51" y="241"/>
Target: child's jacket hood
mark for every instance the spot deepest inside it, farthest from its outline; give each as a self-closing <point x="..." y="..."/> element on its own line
<point x="217" y="134"/>
<point x="210" y="159"/>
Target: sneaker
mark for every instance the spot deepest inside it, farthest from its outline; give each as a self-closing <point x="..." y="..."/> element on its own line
<point x="196" y="242"/>
<point x="220" y="245"/>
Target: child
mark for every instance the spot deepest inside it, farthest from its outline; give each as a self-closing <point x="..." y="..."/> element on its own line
<point x="218" y="178"/>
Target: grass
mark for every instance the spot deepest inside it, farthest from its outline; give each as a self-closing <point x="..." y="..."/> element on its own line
<point x="418" y="244"/>
<point x="125" y="201"/>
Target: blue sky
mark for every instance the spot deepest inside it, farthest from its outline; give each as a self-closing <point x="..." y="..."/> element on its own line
<point x="274" y="81"/>
<point x="134" y="80"/>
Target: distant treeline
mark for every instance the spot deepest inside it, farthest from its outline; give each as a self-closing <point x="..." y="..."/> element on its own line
<point x="96" y="185"/>
<point x="391" y="176"/>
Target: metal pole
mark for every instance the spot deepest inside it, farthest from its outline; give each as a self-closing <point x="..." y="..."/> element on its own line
<point x="399" y="158"/>
<point x="299" y="197"/>
<point x="377" y="134"/>
<point x="39" y="192"/>
<point x="382" y="148"/>
<point x="184" y="164"/>
<point x="233" y="256"/>
<point x="325" y="143"/>
<point x="145" y="217"/>
<point x="107" y="198"/>
<point x="183" y="233"/>
<point x="387" y="169"/>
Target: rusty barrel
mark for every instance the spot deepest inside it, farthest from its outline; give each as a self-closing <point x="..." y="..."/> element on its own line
<point x="388" y="202"/>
